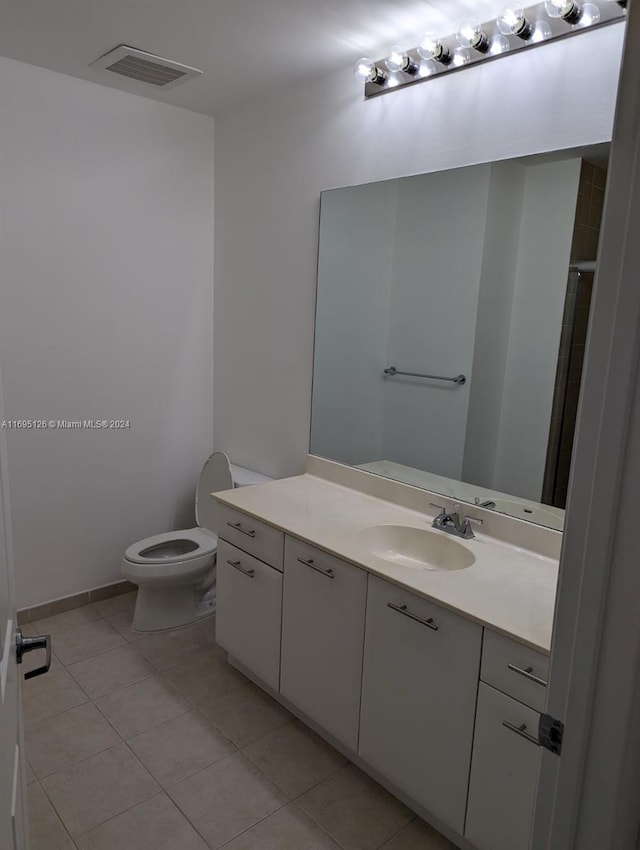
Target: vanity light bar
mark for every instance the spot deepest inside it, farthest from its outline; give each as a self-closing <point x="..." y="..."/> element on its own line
<point x="515" y="29"/>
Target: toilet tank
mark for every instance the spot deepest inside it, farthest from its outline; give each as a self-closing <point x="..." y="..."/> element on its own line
<point x="244" y="477"/>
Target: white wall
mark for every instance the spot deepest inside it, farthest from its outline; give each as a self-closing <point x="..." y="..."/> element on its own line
<point x="540" y="286"/>
<point x="434" y="305"/>
<point x="274" y="156"/>
<point x="493" y="321"/>
<point x="106" y="216"/>
<point x="354" y="285"/>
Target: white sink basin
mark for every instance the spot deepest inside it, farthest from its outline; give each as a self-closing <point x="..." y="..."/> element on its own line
<point x="418" y="548"/>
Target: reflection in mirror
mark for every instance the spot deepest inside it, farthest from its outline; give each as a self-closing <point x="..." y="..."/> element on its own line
<point x="482" y="273"/>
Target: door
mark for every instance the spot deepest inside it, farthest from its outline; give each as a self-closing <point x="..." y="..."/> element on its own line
<point x="588" y="796"/>
<point x="419" y="687"/>
<point x="504" y="772"/>
<point x="249" y="612"/>
<point x="322" y="638"/>
<point x="13" y="829"/>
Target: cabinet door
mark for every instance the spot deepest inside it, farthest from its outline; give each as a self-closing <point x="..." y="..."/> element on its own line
<point x="249" y="612"/>
<point x="419" y="687"/>
<point x="322" y="636"/>
<point x="504" y="773"/>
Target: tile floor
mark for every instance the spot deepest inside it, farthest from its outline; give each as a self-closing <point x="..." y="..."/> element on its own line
<point x="156" y="743"/>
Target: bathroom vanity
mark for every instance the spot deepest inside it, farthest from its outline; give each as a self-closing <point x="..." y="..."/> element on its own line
<point x="420" y="656"/>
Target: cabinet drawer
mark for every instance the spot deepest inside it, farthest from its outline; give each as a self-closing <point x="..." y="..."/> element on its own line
<point x="322" y="638"/>
<point x="249" y="612"/>
<point x="517" y="670"/>
<point x="419" y="687"/>
<point x="252" y="536"/>
<point x="504" y="773"/>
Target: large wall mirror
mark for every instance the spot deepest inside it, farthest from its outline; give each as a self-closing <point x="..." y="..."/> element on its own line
<point x="476" y="282"/>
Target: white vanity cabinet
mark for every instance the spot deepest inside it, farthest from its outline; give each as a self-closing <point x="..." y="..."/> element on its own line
<point x="443" y="711"/>
<point x="419" y="686"/>
<point x="323" y="615"/>
<point x="506" y="757"/>
<point x="249" y="611"/>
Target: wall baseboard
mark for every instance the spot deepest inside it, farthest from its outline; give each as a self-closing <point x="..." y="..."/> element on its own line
<point x="66" y="603"/>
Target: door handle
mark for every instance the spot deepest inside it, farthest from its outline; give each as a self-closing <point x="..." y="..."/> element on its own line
<point x="309" y="563"/>
<point x="29" y="644"/>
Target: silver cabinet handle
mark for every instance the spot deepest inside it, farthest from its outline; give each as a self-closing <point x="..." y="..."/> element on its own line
<point x="402" y="609"/>
<point x="237" y="566"/>
<point x="309" y="563"/>
<point x="527" y="672"/>
<point x="522" y="731"/>
<point x="238" y="527"/>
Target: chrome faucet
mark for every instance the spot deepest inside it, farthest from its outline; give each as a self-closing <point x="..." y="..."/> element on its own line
<point x="487" y="503"/>
<point x="453" y="522"/>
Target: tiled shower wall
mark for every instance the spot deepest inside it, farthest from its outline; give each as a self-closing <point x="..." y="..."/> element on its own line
<point x="586" y="234"/>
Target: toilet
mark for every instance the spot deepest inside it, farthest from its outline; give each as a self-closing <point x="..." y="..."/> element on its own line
<point x="176" y="572"/>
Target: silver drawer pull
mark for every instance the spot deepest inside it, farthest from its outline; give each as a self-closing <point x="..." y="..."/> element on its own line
<point x="238" y="527"/>
<point x="527" y="672"/>
<point x="237" y="566"/>
<point x="402" y="609"/>
<point x="309" y="563"/>
<point x="522" y="731"/>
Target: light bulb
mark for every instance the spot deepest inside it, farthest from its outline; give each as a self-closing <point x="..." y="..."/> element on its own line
<point x="366" y="71"/>
<point x="399" y="60"/>
<point x="432" y="48"/>
<point x="590" y="15"/>
<point x="499" y="44"/>
<point x="541" y="32"/>
<point x="470" y="34"/>
<point x="569" y="10"/>
<point x="513" y="22"/>
<point x="427" y="68"/>
<point x="461" y="56"/>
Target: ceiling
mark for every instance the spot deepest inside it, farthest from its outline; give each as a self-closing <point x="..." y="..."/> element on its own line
<point x="244" y="47"/>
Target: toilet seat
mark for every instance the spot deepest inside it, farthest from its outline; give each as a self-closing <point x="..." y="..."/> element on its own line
<point x="176" y="571"/>
<point x="203" y="543"/>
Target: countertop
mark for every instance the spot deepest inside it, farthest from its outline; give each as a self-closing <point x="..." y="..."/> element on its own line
<point x="508" y="589"/>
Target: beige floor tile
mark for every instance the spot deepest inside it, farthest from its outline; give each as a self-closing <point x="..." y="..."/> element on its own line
<point x="225" y="799"/>
<point x="68" y="620"/>
<point x="245" y="714"/>
<point x="155" y="824"/>
<point x="295" y="758"/>
<point x="207" y="677"/>
<point x="45" y="827"/>
<point x="287" y="829"/>
<point x="418" y="835"/>
<point x="142" y="706"/>
<point x="357" y="812"/>
<point x="180" y="747"/>
<point x="111" y="671"/>
<point x="122" y="624"/>
<point x="168" y="649"/>
<point x="99" y="788"/>
<point x="65" y="739"/>
<point x="86" y="641"/>
<point x="50" y="694"/>
<point x="122" y="604"/>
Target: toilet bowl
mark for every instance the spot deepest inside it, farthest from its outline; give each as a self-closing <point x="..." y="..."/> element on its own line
<point x="175" y="572"/>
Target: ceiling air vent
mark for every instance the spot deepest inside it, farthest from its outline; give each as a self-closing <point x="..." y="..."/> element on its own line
<point x="145" y="67"/>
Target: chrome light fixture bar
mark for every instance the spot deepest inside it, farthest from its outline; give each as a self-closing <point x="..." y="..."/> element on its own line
<point x="513" y="30"/>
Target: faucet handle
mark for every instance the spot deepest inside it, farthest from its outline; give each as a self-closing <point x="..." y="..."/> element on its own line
<point x="474" y="519"/>
<point x="439" y="507"/>
<point x="465" y="526"/>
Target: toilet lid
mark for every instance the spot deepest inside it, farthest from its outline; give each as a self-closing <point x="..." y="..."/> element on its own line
<point x="215" y="476"/>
